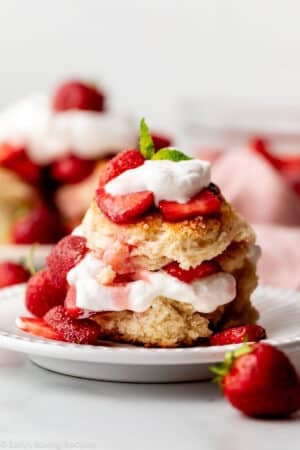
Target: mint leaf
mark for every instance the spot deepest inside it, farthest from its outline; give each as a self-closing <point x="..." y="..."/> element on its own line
<point x="172" y="154"/>
<point x="146" y="143"/>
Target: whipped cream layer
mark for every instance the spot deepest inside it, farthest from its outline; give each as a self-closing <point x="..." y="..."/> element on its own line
<point x="205" y="294"/>
<point x="48" y="134"/>
<point x="168" y="180"/>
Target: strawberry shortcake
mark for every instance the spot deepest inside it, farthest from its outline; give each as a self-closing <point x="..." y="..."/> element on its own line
<point x="160" y="259"/>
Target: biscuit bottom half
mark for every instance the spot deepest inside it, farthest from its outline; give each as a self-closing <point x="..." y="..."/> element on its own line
<point x="169" y="323"/>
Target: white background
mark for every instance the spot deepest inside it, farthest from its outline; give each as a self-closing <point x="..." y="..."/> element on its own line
<point x="151" y="54"/>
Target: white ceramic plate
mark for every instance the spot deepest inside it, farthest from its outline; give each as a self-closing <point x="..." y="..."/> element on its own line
<point x="279" y="314"/>
<point x="21" y="252"/>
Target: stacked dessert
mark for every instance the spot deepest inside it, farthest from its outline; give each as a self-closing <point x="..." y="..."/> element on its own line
<point x="52" y="143"/>
<point x="160" y="259"/>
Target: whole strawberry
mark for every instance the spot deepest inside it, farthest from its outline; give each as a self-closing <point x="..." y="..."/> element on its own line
<point x="12" y="273"/>
<point x="68" y="252"/>
<point x="70" y="169"/>
<point x="41" y="295"/>
<point x="39" y="225"/>
<point x="77" y="95"/>
<point x="260" y="381"/>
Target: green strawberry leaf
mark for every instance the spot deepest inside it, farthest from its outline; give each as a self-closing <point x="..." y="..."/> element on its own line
<point x="172" y="154"/>
<point x="147" y="148"/>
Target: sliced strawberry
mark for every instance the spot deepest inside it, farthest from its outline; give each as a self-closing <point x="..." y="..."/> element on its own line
<point x="237" y="335"/>
<point x="160" y="141"/>
<point x="83" y="331"/>
<point x="70" y="169"/>
<point x="124" y="209"/>
<point x="202" y="204"/>
<point x="16" y="160"/>
<point x="70" y="303"/>
<point x="12" y="273"/>
<point x="77" y="95"/>
<point x="66" y="254"/>
<point x="188" y="276"/>
<point x="42" y="295"/>
<point x="128" y="159"/>
<point x="38" y="327"/>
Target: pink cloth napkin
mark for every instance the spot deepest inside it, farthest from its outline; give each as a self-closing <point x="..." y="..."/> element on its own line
<point x="264" y="197"/>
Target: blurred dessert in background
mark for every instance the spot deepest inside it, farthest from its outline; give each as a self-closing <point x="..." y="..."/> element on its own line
<point x="52" y="148"/>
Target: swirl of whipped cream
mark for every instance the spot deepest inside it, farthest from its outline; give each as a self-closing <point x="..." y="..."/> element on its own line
<point x="49" y="135"/>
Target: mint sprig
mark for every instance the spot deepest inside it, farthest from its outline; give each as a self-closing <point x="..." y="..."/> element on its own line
<point x="171" y="154"/>
<point x="147" y="148"/>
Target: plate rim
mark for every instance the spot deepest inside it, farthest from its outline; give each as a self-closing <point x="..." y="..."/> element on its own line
<point x="125" y="354"/>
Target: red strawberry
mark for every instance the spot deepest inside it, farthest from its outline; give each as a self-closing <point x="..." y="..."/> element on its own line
<point x="237" y="335"/>
<point x="38" y="327"/>
<point x="83" y="331"/>
<point x="70" y="169"/>
<point x="70" y="304"/>
<point x="16" y="160"/>
<point x="12" y="273"/>
<point x="202" y="204"/>
<point x="40" y="225"/>
<point x="188" y="276"/>
<point x="77" y="95"/>
<point x="128" y="159"/>
<point x="160" y="141"/>
<point x="41" y="294"/>
<point x="260" y="381"/>
<point x="68" y="252"/>
<point x="124" y="209"/>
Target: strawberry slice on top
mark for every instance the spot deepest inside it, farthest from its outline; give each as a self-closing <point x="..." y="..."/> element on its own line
<point x="124" y="209"/>
<point x="203" y="204"/>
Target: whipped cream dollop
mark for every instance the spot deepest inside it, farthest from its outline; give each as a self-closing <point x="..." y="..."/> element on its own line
<point x="168" y="180"/>
<point x="205" y="294"/>
<point x="48" y="135"/>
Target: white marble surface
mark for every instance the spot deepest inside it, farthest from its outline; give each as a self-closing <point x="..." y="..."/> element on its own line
<point x="40" y="409"/>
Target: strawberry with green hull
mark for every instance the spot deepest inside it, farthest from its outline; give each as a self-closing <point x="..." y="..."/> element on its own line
<point x="260" y="381"/>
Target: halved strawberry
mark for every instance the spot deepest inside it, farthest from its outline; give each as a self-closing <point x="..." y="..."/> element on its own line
<point x="128" y="159"/>
<point x="70" y="303"/>
<point x="202" y="204"/>
<point x="16" y="160"/>
<point x="68" y="252"/>
<point x="188" y="276"/>
<point x="124" y="209"/>
<point x="38" y="327"/>
<point x="83" y="331"/>
<point x="237" y="335"/>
